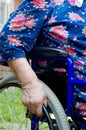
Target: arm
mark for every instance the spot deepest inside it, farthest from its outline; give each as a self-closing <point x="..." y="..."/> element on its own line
<point x="17" y="3"/>
<point x="24" y="38"/>
<point x="33" y="94"/>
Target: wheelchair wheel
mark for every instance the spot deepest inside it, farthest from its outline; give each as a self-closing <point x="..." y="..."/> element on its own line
<point x="57" y="110"/>
<point x="14" y="116"/>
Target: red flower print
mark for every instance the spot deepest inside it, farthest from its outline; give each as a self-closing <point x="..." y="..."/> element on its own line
<point x="42" y="63"/>
<point x="39" y="3"/>
<point x="14" y="40"/>
<point x="58" y="1"/>
<point x="61" y="70"/>
<point x="76" y="17"/>
<point x="79" y="63"/>
<point x="18" y="22"/>
<point x="19" y="18"/>
<point x="59" y="32"/>
<point x="70" y="50"/>
<point x="72" y="2"/>
<point x="30" y="22"/>
<point x="51" y="20"/>
<point x="81" y="106"/>
<point x="15" y="26"/>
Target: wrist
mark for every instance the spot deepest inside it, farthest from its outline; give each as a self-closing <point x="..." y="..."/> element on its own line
<point x="29" y="84"/>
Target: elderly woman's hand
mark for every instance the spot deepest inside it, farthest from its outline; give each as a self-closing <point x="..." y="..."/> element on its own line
<point x="34" y="97"/>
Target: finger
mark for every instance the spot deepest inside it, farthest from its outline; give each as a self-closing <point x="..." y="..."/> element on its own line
<point x="24" y="101"/>
<point x="39" y="111"/>
<point x="32" y="110"/>
<point x="46" y="102"/>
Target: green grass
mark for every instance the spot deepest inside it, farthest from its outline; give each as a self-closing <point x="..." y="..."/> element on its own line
<point x="13" y="112"/>
<point x="11" y="104"/>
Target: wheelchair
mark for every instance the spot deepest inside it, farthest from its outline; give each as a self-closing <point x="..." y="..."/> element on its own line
<point x="59" y="115"/>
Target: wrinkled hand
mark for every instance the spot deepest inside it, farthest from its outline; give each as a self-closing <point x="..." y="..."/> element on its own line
<point x="34" y="97"/>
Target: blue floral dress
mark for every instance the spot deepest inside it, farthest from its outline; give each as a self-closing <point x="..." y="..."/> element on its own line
<point x="52" y="23"/>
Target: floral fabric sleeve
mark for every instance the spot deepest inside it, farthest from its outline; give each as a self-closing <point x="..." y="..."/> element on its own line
<point x="22" y="28"/>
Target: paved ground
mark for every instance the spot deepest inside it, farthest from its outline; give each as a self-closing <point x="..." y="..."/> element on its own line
<point x="4" y="71"/>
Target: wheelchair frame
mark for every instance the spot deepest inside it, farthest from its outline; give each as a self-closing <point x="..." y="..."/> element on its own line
<point x="45" y="53"/>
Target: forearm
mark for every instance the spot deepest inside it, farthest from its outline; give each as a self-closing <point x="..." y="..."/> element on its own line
<point x="23" y="71"/>
<point x="33" y="93"/>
